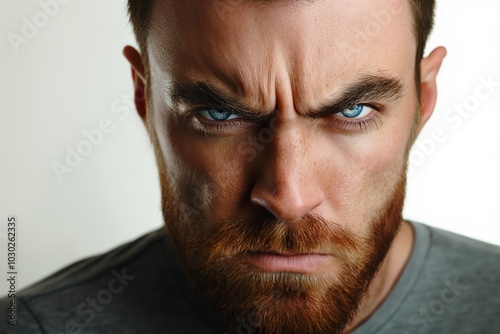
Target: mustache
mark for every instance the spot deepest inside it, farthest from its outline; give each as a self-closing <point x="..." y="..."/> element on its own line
<point x="310" y="234"/>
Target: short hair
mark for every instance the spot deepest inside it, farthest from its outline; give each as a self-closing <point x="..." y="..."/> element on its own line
<point x="423" y="21"/>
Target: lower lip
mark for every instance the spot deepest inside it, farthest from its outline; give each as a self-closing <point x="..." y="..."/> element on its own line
<point x="300" y="263"/>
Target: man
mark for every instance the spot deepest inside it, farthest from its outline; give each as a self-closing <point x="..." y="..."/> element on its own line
<point x="281" y="131"/>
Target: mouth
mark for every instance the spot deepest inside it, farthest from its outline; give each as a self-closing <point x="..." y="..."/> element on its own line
<point x="295" y="263"/>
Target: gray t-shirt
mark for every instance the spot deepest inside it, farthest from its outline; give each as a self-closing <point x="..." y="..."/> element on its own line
<point x="451" y="284"/>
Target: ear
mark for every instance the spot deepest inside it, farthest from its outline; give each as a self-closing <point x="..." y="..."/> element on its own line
<point x="429" y="68"/>
<point x="138" y="75"/>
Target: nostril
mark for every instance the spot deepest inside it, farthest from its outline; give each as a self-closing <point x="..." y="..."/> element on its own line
<point x="287" y="206"/>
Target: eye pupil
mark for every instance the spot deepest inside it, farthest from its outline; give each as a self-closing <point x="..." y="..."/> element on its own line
<point x="219" y="115"/>
<point x="354" y="111"/>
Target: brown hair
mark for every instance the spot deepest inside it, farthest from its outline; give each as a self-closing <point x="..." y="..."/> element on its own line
<point x="423" y="14"/>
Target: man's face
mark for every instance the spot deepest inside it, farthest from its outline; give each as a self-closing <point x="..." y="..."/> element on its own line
<point x="281" y="132"/>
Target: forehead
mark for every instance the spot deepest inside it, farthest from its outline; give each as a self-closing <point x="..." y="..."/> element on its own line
<point x="258" y="50"/>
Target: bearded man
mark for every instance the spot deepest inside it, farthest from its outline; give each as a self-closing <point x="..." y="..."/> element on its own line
<point x="281" y="131"/>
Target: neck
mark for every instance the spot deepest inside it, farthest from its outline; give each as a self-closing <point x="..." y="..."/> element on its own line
<point x="389" y="273"/>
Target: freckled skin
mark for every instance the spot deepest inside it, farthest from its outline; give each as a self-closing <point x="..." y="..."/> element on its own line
<point x="287" y="59"/>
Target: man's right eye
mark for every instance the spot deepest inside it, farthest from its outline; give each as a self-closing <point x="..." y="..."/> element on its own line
<point x="217" y="115"/>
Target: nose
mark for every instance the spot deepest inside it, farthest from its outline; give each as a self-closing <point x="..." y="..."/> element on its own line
<point x="288" y="185"/>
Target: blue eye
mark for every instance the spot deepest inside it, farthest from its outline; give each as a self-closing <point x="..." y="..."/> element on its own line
<point x="217" y="115"/>
<point x="358" y="111"/>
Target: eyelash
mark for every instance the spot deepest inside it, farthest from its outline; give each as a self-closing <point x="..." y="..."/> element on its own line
<point x="363" y="124"/>
<point x="358" y="125"/>
<point x="208" y="127"/>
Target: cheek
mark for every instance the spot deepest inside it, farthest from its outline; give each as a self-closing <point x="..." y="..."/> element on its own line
<point x="361" y="172"/>
<point x="210" y="174"/>
<point x="382" y="158"/>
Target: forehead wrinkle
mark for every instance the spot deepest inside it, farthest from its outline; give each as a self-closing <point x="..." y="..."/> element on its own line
<point x="246" y="69"/>
<point x="287" y="74"/>
<point x="307" y="64"/>
<point x="308" y="75"/>
<point x="323" y="71"/>
<point x="255" y="79"/>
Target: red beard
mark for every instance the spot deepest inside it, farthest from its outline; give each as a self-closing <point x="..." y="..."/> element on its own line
<point x="254" y="301"/>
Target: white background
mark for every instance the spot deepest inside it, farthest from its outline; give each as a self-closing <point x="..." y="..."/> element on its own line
<point x="71" y="76"/>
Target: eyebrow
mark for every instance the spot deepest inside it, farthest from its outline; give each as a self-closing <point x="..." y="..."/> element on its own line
<point x="204" y="94"/>
<point x="367" y="88"/>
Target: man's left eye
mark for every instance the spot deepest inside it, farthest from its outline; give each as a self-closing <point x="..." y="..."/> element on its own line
<point x="217" y="115"/>
<point x="358" y="111"/>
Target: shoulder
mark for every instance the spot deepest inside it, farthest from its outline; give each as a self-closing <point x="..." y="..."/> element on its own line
<point x="458" y="286"/>
<point x="98" y="289"/>
<point x="130" y="254"/>
<point x="472" y="263"/>
<point x="463" y="254"/>
<point x="449" y="285"/>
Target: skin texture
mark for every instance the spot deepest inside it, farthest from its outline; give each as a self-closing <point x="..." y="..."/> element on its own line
<point x="291" y="180"/>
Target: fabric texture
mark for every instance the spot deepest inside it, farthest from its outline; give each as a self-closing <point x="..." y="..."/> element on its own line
<point x="451" y="284"/>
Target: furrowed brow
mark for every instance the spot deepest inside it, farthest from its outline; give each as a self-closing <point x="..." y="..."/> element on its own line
<point x="204" y="94"/>
<point x="364" y="90"/>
